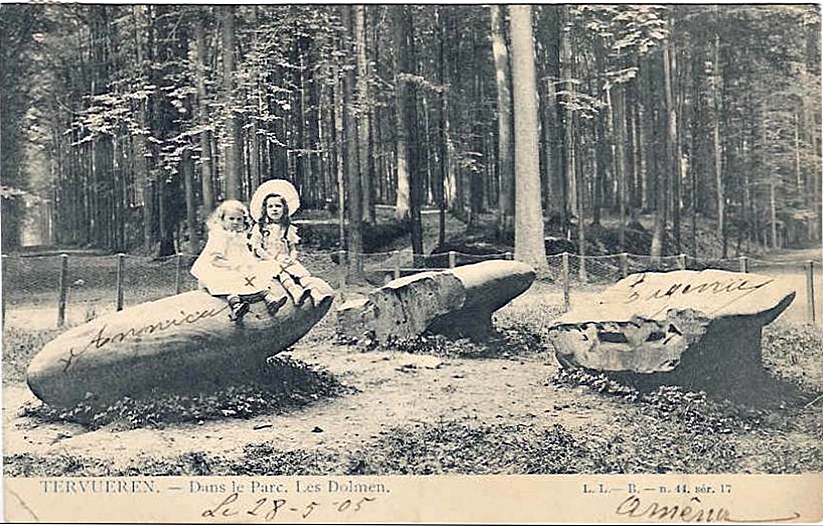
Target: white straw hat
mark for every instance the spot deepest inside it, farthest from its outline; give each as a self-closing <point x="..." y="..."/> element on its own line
<point x="279" y="187"/>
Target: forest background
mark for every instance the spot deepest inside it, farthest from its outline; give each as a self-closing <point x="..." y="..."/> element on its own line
<point x="124" y="125"/>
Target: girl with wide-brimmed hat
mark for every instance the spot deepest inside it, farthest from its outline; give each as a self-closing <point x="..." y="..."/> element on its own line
<point x="274" y="239"/>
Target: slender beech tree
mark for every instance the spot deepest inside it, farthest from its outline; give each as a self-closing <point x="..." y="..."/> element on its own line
<point x="717" y="85"/>
<point x="407" y="90"/>
<point x="569" y="172"/>
<point x="672" y="150"/>
<point x="529" y="246"/>
<point x="350" y="155"/>
<point x="231" y="142"/>
<point x="504" y="120"/>
<point x="202" y="111"/>
<point x="363" y="112"/>
<point x="441" y="15"/>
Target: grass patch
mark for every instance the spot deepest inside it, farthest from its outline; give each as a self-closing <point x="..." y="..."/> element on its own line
<point x="795" y="353"/>
<point x="285" y="385"/>
<point x="458" y="447"/>
<point x="19" y="347"/>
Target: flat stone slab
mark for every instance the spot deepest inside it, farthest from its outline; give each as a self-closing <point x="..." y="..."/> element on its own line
<point x="456" y="302"/>
<point x="658" y="322"/>
<point x="167" y="343"/>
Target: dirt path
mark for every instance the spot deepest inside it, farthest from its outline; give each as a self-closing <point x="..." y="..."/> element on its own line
<point x="394" y="389"/>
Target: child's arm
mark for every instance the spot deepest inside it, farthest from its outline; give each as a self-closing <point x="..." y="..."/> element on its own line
<point x="292" y="239"/>
<point x="214" y="251"/>
<point x="256" y="242"/>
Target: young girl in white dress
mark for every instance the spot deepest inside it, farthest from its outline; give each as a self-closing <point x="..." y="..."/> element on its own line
<point x="274" y="239"/>
<point x="226" y="267"/>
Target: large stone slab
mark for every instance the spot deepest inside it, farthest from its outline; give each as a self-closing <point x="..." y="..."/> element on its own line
<point x="167" y="343"/>
<point x="457" y="302"/>
<point x="702" y="324"/>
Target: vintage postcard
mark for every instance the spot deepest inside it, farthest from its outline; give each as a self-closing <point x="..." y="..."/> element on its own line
<point x="397" y="263"/>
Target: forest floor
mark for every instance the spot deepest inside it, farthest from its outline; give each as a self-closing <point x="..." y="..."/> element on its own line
<point x="439" y="407"/>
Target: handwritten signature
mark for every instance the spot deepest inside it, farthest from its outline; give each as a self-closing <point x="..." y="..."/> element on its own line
<point x="100" y="340"/>
<point x="271" y="508"/>
<point x="692" y="511"/>
<point x="715" y="287"/>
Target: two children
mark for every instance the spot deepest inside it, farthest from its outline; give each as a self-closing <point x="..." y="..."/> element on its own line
<point x="243" y="263"/>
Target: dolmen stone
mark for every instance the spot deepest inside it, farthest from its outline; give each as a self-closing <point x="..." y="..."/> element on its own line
<point x="702" y="325"/>
<point x="169" y="343"/>
<point x="457" y="302"/>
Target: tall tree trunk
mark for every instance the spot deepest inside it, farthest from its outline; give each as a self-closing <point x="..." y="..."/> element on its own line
<point x="769" y="175"/>
<point x="339" y="148"/>
<point x="618" y="125"/>
<point x="442" y="127"/>
<point x="602" y="142"/>
<point x="164" y="213"/>
<point x="142" y="183"/>
<point x="717" y="82"/>
<point x="529" y="245"/>
<point x="363" y="123"/>
<point x="672" y="142"/>
<point x="747" y="195"/>
<point x="202" y="109"/>
<point x="552" y="151"/>
<point x="643" y="151"/>
<point x="659" y="234"/>
<point x="402" y="197"/>
<point x="570" y="204"/>
<point x="234" y="181"/>
<point x="401" y="210"/>
<point x="407" y="104"/>
<point x="504" y="143"/>
<point x="797" y="172"/>
<point x="350" y="156"/>
<point x="187" y="170"/>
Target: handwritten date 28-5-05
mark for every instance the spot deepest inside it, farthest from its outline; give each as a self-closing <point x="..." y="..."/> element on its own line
<point x="268" y="508"/>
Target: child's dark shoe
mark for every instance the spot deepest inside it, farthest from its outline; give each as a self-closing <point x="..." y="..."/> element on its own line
<point x="305" y="297"/>
<point x="273" y="304"/>
<point x="238" y="310"/>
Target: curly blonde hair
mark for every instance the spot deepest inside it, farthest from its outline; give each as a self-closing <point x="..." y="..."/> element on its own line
<point x="215" y="220"/>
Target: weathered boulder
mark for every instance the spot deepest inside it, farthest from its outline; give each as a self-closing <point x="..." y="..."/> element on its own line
<point x="702" y="324"/>
<point x="457" y="302"/>
<point x="167" y="343"/>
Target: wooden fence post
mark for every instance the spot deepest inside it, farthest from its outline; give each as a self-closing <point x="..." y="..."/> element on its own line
<point x="566" y="298"/>
<point x="396" y="264"/>
<point x="63" y="285"/>
<point x="744" y="264"/>
<point x="452" y="259"/>
<point x="178" y="268"/>
<point x="508" y="256"/>
<point x="3" y="298"/>
<point x="120" y="260"/>
<point x="5" y="280"/>
<point x="624" y="264"/>
<point x="681" y="262"/>
<point x="341" y="257"/>
<point x="810" y="291"/>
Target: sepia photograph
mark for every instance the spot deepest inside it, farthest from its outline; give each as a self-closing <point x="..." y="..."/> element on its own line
<point x="256" y="253"/>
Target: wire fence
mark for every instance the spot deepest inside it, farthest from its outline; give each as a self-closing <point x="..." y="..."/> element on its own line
<point x="68" y="289"/>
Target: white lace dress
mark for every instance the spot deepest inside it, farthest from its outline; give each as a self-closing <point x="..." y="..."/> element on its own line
<point x="277" y="249"/>
<point x="226" y="265"/>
